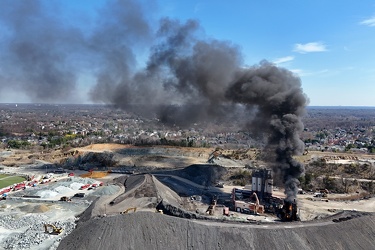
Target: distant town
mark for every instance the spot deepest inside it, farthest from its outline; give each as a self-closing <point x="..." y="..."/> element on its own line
<point x="50" y="126"/>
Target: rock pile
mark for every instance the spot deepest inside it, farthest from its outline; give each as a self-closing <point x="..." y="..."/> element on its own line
<point x="32" y="235"/>
<point x="147" y="230"/>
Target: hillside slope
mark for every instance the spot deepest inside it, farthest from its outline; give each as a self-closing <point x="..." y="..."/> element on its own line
<point x="147" y="230"/>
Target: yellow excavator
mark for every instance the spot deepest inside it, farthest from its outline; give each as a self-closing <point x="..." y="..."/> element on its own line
<point x="55" y="230"/>
<point x="128" y="210"/>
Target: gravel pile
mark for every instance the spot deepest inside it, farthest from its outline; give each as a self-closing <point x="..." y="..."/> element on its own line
<point x="13" y="221"/>
<point x="57" y="189"/>
<point x="107" y="190"/>
<point x="32" y="235"/>
<point x="200" y="174"/>
<point x="34" y="208"/>
<point x="146" y="230"/>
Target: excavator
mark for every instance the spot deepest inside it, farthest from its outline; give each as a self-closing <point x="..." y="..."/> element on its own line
<point x="257" y="208"/>
<point x="55" y="230"/>
<point x="214" y="155"/>
<point x="128" y="210"/>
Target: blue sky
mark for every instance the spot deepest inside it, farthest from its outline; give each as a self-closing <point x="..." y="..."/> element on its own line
<point x="330" y="45"/>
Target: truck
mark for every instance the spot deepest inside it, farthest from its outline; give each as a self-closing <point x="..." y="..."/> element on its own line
<point x="244" y="206"/>
<point x="19" y="186"/>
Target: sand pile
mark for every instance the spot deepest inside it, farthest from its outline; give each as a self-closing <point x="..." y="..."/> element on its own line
<point x="41" y="208"/>
<point x="146" y="230"/>
<point x="94" y="174"/>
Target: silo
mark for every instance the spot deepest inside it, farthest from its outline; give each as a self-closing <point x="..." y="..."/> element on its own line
<point x="259" y="184"/>
<point x="254" y="183"/>
<point x="269" y="187"/>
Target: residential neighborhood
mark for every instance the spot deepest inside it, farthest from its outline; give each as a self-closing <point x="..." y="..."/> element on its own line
<point x="63" y="126"/>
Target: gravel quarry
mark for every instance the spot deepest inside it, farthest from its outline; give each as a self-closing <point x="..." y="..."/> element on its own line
<point x="104" y="217"/>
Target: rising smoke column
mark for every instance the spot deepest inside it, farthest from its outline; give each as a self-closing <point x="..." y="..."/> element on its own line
<point x="280" y="103"/>
<point x="187" y="78"/>
<point x="121" y="30"/>
<point x="36" y="47"/>
<point x="195" y="73"/>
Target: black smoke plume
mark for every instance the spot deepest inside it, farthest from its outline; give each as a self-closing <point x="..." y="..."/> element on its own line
<point x="185" y="77"/>
<point x="36" y="51"/>
<point x="280" y="103"/>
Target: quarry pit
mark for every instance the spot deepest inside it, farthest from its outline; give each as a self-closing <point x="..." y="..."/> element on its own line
<point x="125" y="208"/>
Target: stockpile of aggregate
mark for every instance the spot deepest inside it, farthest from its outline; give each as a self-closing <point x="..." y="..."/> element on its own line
<point x="144" y="190"/>
<point x="41" y="208"/>
<point x="28" y="231"/>
<point x="201" y="174"/>
<point x="107" y="190"/>
<point x="58" y="188"/>
<point x="147" y="230"/>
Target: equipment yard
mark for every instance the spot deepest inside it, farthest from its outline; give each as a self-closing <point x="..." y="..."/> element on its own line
<point x="186" y="203"/>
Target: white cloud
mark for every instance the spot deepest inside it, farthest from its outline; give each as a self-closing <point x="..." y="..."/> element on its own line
<point x="309" y="47"/>
<point x="369" y="22"/>
<point x="283" y="59"/>
<point x="298" y="72"/>
<point x="301" y="72"/>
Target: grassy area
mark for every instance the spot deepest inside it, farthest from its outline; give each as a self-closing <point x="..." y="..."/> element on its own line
<point x="7" y="181"/>
<point x="2" y="176"/>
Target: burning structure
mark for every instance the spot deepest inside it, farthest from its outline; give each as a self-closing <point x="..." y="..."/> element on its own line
<point x="258" y="199"/>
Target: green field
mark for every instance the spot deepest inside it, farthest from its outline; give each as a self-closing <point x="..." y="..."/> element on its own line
<point x="6" y="180"/>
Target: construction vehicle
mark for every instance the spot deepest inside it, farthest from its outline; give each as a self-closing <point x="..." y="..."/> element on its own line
<point x="214" y="155"/>
<point x="211" y="208"/>
<point x="65" y="198"/>
<point x="128" y="210"/>
<point x="242" y="206"/>
<point x="256" y="207"/>
<point x="55" y="230"/>
<point x="19" y="186"/>
<point x="288" y="212"/>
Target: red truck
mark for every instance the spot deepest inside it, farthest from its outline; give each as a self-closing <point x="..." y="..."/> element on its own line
<point x="85" y="186"/>
<point x="6" y="190"/>
<point x="19" y="186"/>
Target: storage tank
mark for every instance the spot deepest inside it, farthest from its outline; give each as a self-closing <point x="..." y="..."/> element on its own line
<point x="259" y="184"/>
<point x="269" y="187"/>
<point x="254" y="183"/>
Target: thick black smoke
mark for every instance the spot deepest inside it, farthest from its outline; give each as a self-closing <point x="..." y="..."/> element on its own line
<point x="186" y="77"/>
<point x="280" y="103"/>
<point x="35" y="52"/>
